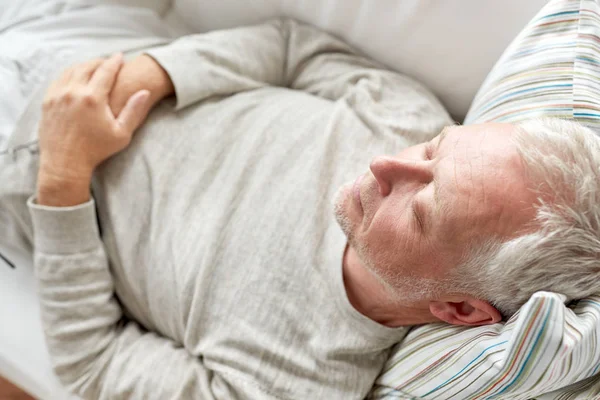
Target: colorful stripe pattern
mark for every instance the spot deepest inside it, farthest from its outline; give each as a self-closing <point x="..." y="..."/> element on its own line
<point x="550" y="70"/>
<point x="546" y="351"/>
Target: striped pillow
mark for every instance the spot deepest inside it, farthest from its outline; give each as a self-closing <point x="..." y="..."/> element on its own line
<point x="547" y="350"/>
<point x="550" y="70"/>
<point x="544" y="348"/>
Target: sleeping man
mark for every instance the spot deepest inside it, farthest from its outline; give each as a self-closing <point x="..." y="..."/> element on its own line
<point x="207" y="260"/>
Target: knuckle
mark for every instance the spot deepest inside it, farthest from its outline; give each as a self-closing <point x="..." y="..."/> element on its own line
<point x="48" y="103"/>
<point x="90" y="99"/>
<point x="66" y="97"/>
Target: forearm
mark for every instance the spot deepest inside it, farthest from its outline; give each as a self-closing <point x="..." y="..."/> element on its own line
<point x="75" y="287"/>
<point x="94" y="352"/>
<point x="222" y="63"/>
<point x="281" y="52"/>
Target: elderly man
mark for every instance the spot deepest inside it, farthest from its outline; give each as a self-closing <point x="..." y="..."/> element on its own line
<point x="214" y="226"/>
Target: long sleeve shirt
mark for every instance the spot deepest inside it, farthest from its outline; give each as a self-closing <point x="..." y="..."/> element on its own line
<point x="209" y="263"/>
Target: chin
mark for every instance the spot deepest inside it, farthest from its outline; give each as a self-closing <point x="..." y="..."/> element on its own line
<point x="341" y="208"/>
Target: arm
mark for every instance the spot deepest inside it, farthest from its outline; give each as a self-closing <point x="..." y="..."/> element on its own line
<point x="200" y="66"/>
<point x="226" y="62"/>
<point x="95" y="351"/>
<point x="281" y="52"/>
<point x="385" y="101"/>
<point x="290" y="54"/>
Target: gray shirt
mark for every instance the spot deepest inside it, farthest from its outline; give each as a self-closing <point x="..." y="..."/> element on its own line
<point x="217" y="230"/>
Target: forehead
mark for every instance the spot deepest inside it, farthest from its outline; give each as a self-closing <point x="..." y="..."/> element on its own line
<point x="481" y="182"/>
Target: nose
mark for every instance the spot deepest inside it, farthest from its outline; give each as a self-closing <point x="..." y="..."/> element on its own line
<point x="389" y="171"/>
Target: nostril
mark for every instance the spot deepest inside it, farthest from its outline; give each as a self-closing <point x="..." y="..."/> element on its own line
<point x="383" y="186"/>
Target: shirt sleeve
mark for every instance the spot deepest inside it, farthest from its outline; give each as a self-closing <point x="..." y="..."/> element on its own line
<point x="286" y="53"/>
<point x="385" y="101"/>
<point x="95" y="351"/>
<point x="225" y="62"/>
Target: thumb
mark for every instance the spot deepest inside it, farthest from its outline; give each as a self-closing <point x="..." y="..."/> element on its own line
<point x="135" y="111"/>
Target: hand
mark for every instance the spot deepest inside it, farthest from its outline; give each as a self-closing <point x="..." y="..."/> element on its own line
<point x="143" y="72"/>
<point x="78" y="130"/>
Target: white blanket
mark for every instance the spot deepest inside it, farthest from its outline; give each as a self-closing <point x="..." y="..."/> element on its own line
<point x="39" y="38"/>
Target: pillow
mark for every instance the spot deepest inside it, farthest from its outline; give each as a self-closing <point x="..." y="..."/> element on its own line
<point x="551" y="69"/>
<point x="544" y="347"/>
<point x="547" y="350"/>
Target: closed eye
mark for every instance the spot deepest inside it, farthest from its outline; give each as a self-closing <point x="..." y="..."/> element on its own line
<point x="417" y="216"/>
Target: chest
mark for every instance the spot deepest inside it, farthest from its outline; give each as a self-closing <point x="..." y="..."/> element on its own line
<point x="227" y="206"/>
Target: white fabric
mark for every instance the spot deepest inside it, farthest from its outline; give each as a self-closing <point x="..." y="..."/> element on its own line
<point x="38" y="37"/>
<point x="24" y="358"/>
<point x="16" y="11"/>
<point x="449" y="45"/>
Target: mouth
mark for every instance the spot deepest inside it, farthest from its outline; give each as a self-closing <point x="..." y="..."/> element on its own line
<point x="356" y="191"/>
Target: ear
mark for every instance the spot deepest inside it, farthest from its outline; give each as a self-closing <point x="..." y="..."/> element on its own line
<point x="469" y="311"/>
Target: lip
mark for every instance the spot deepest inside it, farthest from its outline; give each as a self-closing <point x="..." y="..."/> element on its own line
<point x="356" y="190"/>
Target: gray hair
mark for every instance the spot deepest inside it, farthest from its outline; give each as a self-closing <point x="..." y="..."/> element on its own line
<point x="562" y="252"/>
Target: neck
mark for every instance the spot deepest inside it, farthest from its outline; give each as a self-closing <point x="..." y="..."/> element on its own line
<point x="370" y="297"/>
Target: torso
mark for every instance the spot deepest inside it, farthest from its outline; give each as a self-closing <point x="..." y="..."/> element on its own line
<point x="219" y="226"/>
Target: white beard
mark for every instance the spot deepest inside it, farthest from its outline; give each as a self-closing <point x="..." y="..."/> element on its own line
<point x="339" y="202"/>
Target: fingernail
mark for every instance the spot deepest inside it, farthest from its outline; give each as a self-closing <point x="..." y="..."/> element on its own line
<point x="142" y="96"/>
<point x="117" y="56"/>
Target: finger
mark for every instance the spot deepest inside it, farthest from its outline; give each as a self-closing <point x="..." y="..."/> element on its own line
<point x="134" y="112"/>
<point x="84" y="71"/>
<point x="105" y="75"/>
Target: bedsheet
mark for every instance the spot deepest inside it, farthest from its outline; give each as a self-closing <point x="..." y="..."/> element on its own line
<point x="40" y="37"/>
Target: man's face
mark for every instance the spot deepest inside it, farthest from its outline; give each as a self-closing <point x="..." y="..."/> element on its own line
<point x="415" y="214"/>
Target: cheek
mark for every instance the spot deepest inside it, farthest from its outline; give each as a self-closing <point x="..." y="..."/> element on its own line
<point x="388" y="237"/>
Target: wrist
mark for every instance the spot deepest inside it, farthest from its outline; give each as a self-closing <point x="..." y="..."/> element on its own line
<point x="56" y="190"/>
<point x="162" y="86"/>
<point x="142" y="72"/>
